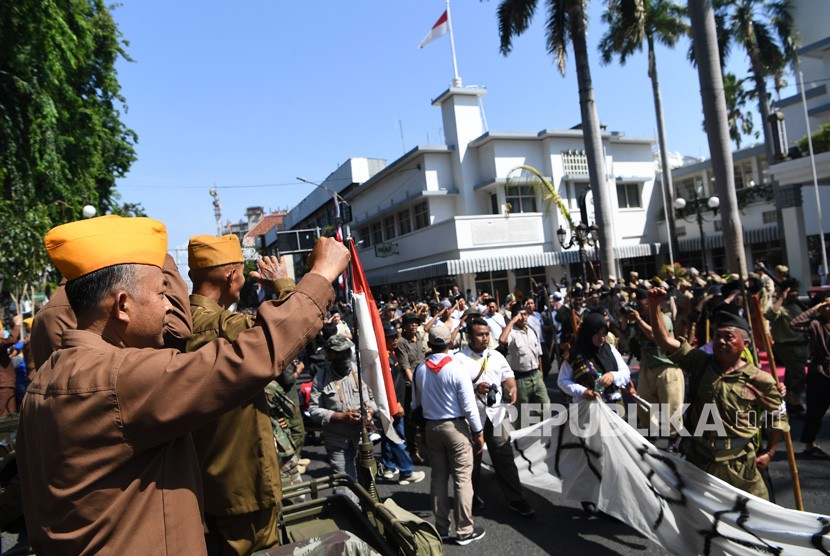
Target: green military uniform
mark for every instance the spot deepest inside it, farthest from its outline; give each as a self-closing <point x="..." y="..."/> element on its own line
<point x="281" y="406"/>
<point x="741" y="399"/>
<point x="790" y="349"/>
<point x="660" y="380"/>
<point x="239" y="465"/>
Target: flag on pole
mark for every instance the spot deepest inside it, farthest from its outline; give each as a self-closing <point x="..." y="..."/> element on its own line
<point x="438" y="30"/>
<point x="372" y="345"/>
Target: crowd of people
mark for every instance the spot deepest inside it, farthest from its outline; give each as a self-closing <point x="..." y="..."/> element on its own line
<point x="177" y="418"/>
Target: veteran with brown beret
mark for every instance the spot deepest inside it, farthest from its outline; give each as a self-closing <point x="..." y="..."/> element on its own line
<point x="107" y="463"/>
<point x="238" y="461"/>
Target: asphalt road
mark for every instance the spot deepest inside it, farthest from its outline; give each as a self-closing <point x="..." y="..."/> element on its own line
<point x="559" y="526"/>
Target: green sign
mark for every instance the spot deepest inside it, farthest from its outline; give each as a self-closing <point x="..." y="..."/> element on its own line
<point x="384" y="250"/>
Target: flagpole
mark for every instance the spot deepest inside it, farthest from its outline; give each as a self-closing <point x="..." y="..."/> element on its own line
<point x="456" y="82"/>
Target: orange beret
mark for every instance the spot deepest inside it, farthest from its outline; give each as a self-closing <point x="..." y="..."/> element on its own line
<point x="206" y="251"/>
<point x="82" y="247"/>
<point x="28" y="322"/>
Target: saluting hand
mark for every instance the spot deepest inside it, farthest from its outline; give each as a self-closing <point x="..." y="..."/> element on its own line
<point x="269" y="269"/>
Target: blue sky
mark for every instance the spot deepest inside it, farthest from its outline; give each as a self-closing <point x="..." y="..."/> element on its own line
<point x="257" y="92"/>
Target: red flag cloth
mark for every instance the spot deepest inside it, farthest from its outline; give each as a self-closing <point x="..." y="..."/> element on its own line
<point x="372" y="344"/>
<point x="438" y="30"/>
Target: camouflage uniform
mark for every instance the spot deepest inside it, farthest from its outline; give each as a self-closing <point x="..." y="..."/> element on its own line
<point x="741" y="399"/>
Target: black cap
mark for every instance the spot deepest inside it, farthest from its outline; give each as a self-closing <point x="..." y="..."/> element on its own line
<point x="390" y="331"/>
<point x="410" y="317"/>
<point x="725" y="317"/>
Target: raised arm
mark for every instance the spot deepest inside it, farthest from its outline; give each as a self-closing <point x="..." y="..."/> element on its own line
<point x="658" y="327"/>
<point x="505" y="332"/>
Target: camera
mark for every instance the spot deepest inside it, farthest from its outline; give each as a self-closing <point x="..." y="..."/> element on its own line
<point x="491" y="395"/>
<point x="627" y="308"/>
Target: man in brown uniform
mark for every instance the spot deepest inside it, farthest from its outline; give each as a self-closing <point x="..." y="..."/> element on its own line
<point x="57" y="316"/>
<point x="106" y="459"/>
<point x="740" y="393"/>
<point x="240" y="469"/>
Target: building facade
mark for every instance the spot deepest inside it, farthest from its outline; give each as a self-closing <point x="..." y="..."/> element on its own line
<point x="463" y="214"/>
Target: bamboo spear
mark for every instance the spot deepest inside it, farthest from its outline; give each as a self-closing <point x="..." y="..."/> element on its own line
<point x="799" y="504"/>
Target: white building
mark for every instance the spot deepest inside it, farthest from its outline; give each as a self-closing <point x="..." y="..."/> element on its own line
<point x="786" y="186"/>
<point x="447" y="214"/>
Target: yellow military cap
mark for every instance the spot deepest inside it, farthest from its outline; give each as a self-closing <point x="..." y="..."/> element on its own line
<point x="206" y="251"/>
<point x="28" y="322"/>
<point x="82" y="247"/>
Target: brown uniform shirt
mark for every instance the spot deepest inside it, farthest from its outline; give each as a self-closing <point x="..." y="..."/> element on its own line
<point x="240" y="469"/>
<point x="107" y="464"/>
<point x="57" y="316"/>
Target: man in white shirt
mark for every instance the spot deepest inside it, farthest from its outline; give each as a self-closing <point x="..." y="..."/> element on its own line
<point x="495" y="388"/>
<point x="495" y="320"/>
<point x="444" y="393"/>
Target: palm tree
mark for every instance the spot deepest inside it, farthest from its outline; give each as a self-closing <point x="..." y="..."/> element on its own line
<point x="567" y="19"/>
<point x="707" y="55"/>
<point x="630" y="23"/>
<point x="764" y="28"/>
<point x="740" y="121"/>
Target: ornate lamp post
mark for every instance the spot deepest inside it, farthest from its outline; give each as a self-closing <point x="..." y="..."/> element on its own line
<point x="713" y="203"/>
<point x="583" y="235"/>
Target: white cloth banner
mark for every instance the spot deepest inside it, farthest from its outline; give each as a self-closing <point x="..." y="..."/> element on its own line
<point x="589" y="453"/>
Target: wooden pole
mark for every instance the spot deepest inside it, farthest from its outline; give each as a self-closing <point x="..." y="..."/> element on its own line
<point x="799" y="503"/>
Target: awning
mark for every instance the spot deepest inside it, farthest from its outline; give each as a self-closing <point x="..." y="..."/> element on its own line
<point x="454" y="267"/>
<point x="715" y="241"/>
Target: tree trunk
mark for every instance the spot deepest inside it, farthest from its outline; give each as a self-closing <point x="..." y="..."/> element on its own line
<point x="593" y="141"/>
<point x="716" y="121"/>
<point x="759" y="76"/>
<point x="668" y="188"/>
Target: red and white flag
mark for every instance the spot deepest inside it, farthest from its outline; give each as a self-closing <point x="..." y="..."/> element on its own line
<point x="372" y="344"/>
<point x="438" y="30"/>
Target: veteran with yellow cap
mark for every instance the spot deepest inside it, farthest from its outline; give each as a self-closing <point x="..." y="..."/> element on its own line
<point x="239" y="466"/>
<point x="105" y="452"/>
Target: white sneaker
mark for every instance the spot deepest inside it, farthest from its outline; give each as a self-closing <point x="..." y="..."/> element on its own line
<point x="390" y="474"/>
<point x="416" y="477"/>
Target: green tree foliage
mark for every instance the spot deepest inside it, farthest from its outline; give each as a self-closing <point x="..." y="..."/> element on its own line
<point x="62" y="141"/>
<point x="737" y="97"/>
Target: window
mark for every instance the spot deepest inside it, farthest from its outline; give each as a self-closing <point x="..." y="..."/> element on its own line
<point x="525" y="278"/>
<point x="494" y="283"/>
<point x="494" y="203"/>
<point x="404" y="222"/>
<point x="718" y="224"/>
<point x="685" y="188"/>
<point x="680" y="231"/>
<point x="389" y="228"/>
<point x="770" y="217"/>
<point x="522" y="198"/>
<point x="377" y="234"/>
<point x="364" y="236"/>
<point x="577" y="188"/>
<point x="743" y="174"/>
<point x="421" y="215"/>
<point x="628" y="195"/>
<point x="575" y="162"/>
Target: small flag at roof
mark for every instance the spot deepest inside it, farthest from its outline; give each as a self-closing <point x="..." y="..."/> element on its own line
<point x="438" y="30"/>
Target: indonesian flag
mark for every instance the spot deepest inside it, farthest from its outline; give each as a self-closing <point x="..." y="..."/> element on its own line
<point x="372" y="344"/>
<point x="438" y="30"/>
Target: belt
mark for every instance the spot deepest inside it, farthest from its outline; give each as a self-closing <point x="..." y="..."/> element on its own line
<point x="524" y="374"/>
<point x="722" y="449"/>
<point x="443" y="420"/>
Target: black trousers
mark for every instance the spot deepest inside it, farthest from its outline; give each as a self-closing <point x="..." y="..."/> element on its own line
<point x="504" y="464"/>
<point x="818" y="401"/>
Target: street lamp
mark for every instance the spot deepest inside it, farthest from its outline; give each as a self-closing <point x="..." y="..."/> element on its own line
<point x="582" y="235"/>
<point x="713" y="203"/>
